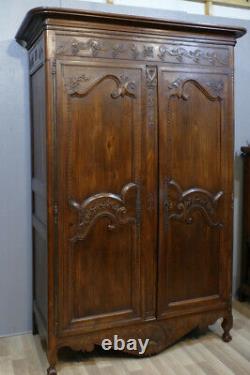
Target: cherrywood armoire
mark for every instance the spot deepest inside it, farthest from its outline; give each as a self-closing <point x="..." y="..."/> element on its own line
<point x="132" y="134"/>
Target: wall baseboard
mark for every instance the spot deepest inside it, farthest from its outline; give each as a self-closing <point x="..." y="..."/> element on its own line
<point x="15" y="334"/>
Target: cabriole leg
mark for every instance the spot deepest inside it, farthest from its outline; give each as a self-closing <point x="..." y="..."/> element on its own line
<point x="227" y="325"/>
<point x="52" y="359"/>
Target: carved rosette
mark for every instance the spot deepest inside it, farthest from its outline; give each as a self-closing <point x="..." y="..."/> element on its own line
<point x="82" y="84"/>
<point x="151" y="78"/>
<point x="116" y="208"/>
<point x="180" y="205"/>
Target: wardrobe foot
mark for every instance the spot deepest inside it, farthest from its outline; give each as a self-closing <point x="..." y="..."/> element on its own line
<point x="227" y="325"/>
<point x="51" y="371"/>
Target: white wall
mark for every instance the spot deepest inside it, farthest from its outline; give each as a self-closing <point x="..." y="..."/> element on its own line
<point x="231" y="12"/>
<point x="192" y="7"/>
<point x="180" y="5"/>
<point x="15" y="191"/>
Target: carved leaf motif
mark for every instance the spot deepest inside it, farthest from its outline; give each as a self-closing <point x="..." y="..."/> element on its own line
<point x="187" y="202"/>
<point x="109" y="205"/>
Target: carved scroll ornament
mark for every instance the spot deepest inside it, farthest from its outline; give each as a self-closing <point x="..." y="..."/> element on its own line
<point x="116" y="208"/>
<point x="212" y="89"/>
<point x="187" y="202"/>
<point x="76" y="85"/>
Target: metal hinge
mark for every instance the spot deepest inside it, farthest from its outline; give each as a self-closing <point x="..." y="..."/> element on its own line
<point x="138" y="204"/>
<point x="53" y="67"/>
<point x="55" y="210"/>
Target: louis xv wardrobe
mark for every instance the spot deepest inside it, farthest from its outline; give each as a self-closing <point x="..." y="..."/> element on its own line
<point x="132" y="134"/>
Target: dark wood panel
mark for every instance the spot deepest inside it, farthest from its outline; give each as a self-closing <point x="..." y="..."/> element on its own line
<point x="39" y="181"/>
<point x="100" y="209"/>
<point x="38" y="114"/>
<point x="193" y="188"/>
<point x="40" y="262"/>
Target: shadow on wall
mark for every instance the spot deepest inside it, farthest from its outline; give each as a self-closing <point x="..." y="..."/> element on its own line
<point x="15" y="197"/>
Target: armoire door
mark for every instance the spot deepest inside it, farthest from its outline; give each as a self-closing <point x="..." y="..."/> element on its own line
<point x="195" y="201"/>
<point x="101" y="140"/>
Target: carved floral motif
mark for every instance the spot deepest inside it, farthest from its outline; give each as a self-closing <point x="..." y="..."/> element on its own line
<point x="117" y="49"/>
<point x="186" y="202"/>
<point x="108" y="205"/>
<point x="73" y="83"/>
<point x="94" y="45"/>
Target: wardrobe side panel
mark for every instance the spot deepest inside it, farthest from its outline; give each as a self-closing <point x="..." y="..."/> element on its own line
<point x="39" y="182"/>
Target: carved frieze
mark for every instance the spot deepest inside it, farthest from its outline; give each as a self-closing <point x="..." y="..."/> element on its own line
<point x="197" y="56"/>
<point x="114" y="207"/>
<point x="141" y="50"/>
<point x="181" y="205"/>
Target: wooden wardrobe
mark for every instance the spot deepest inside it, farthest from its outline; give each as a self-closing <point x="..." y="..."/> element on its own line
<point x="132" y="134"/>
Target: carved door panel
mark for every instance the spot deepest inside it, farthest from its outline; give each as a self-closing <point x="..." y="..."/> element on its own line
<point x="195" y="199"/>
<point x="101" y="221"/>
